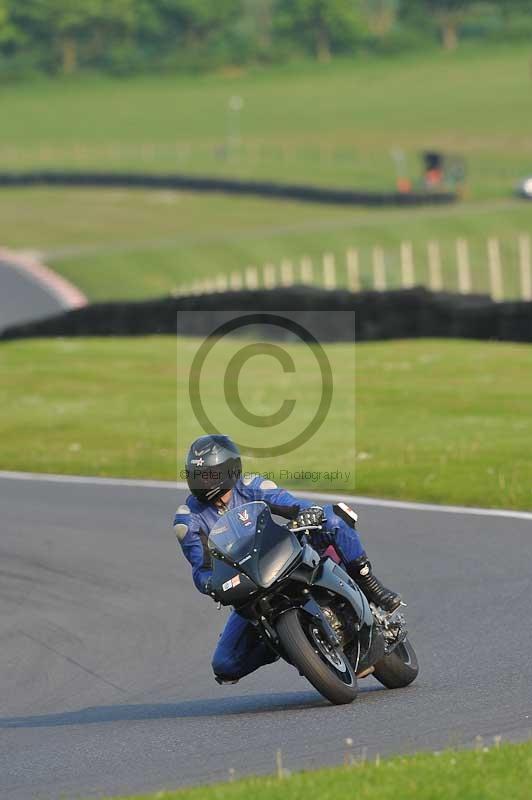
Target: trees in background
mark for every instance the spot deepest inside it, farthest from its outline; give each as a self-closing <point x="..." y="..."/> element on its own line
<point x="61" y="28"/>
<point x="448" y="15"/>
<point x="453" y="19"/>
<point x="4" y="22"/>
<point x="129" y="35"/>
<point x="187" y="22"/>
<point x="321" y="26"/>
<point x="64" y="34"/>
<point x="381" y="16"/>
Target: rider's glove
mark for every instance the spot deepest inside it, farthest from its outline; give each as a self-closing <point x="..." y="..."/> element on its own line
<point x="312" y="517"/>
<point x="208" y="588"/>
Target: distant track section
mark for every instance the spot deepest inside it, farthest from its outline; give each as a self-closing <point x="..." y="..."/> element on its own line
<point x="30" y="291"/>
<point x="196" y="183"/>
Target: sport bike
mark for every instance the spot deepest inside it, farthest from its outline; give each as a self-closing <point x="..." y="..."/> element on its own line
<point x="305" y="606"/>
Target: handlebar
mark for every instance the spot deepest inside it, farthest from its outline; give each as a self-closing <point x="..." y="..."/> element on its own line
<point x="307" y="528"/>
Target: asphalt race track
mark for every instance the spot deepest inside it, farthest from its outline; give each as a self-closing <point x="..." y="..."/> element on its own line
<point x="22" y="298"/>
<point x="105" y="682"/>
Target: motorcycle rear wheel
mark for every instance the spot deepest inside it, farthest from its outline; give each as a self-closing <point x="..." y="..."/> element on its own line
<point x="399" y="668"/>
<point x="326" y="668"/>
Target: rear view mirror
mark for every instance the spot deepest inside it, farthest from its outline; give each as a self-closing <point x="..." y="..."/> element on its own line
<point x="346" y="513"/>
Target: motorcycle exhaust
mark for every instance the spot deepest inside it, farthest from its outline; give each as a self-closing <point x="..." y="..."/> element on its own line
<point x="365" y="672"/>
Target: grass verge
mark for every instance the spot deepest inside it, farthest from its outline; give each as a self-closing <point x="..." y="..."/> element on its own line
<point x="436" y="420"/>
<point x="468" y="775"/>
<point x="134" y="244"/>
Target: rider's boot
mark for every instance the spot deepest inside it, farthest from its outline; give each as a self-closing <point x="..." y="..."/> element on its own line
<point x="360" y="571"/>
<point x="225" y="681"/>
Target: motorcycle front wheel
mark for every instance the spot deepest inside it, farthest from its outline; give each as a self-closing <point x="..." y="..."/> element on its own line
<point x="399" y="668"/>
<point x="327" y="668"/>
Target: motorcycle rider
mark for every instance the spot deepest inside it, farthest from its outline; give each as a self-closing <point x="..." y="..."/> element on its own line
<point x="214" y="475"/>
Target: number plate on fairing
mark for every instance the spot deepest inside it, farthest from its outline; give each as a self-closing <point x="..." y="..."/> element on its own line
<point x="231" y="587"/>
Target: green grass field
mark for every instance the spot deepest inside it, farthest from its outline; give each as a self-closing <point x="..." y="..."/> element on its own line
<point x="331" y="124"/>
<point x="472" y="775"/>
<point x="474" y="101"/>
<point x="441" y="421"/>
<point x="134" y="244"/>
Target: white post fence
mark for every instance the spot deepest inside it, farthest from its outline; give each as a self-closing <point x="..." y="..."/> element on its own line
<point x="434" y="260"/>
<point x="221" y="283"/>
<point x="494" y="259"/>
<point x="287" y="273"/>
<point x="379" y="270"/>
<point x="268" y="276"/>
<point x="517" y="277"/>
<point x="329" y="271"/>
<point x="407" y="265"/>
<point x="462" y="263"/>
<point x="353" y="272"/>
<point x="251" y="278"/>
<point x="306" y="271"/>
<point x="235" y="281"/>
<point x="525" y="268"/>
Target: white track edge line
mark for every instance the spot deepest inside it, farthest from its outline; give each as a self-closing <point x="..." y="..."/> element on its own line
<point x="355" y="499"/>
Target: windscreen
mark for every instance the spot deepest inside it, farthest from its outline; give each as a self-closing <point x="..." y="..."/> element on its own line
<point x="278" y="549"/>
<point x="248" y="537"/>
<point x="234" y="535"/>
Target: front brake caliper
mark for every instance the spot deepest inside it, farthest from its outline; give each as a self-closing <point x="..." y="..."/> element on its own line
<point x="392" y="626"/>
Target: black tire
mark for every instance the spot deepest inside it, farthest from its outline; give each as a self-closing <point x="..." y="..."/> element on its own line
<point x="399" y="668"/>
<point x="295" y="633"/>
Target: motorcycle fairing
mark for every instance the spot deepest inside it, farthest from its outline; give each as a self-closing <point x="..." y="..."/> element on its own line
<point x="331" y="576"/>
<point x="249" y="539"/>
<point x="370" y="644"/>
<point x="231" y="586"/>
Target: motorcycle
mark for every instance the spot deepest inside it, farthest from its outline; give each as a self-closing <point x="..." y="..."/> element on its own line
<point x="306" y="606"/>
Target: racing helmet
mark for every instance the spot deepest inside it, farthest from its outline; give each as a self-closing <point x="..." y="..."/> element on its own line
<point x="213" y="466"/>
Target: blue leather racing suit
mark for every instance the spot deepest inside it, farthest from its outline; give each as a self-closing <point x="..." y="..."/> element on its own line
<point x="239" y="649"/>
